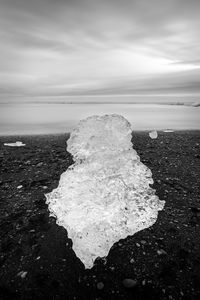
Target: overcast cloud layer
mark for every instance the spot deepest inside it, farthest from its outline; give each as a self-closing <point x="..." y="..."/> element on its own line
<point x="86" y="47"/>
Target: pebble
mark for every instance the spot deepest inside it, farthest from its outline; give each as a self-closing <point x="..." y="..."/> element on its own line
<point x="45" y="187"/>
<point x="100" y="285"/>
<point x="19" y="186"/>
<point x="161" y="252"/>
<point x="144" y="282"/>
<point x="143" y="242"/>
<point x="22" y="274"/>
<point x="129" y="283"/>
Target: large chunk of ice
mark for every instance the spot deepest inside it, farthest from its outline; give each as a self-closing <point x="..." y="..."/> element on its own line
<point x="105" y="196"/>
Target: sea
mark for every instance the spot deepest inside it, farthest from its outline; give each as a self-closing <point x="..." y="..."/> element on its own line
<point x="61" y="117"/>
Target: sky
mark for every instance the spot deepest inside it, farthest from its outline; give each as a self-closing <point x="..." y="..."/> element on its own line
<point x="106" y="47"/>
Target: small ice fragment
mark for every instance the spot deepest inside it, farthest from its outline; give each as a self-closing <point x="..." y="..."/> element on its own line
<point x="19" y="187"/>
<point x="153" y="134"/>
<point x="22" y="274"/>
<point x="16" y="144"/>
<point x="37" y="258"/>
<point x="168" y="130"/>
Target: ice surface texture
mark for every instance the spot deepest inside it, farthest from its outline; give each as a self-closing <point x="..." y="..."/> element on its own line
<point x="153" y="134"/>
<point x="105" y="196"/>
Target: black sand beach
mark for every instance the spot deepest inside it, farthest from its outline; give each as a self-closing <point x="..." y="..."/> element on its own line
<point x="36" y="257"/>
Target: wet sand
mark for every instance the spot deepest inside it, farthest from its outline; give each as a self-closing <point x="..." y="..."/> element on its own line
<point x="36" y="257"/>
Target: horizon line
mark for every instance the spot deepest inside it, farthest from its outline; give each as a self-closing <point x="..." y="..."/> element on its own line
<point x="177" y="103"/>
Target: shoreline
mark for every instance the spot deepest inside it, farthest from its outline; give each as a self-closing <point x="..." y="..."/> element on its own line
<point x="68" y="133"/>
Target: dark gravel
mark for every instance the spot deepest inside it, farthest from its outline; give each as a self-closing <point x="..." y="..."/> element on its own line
<point x="36" y="256"/>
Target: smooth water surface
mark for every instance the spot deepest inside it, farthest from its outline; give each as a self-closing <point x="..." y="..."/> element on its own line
<point x="38" y="118"/>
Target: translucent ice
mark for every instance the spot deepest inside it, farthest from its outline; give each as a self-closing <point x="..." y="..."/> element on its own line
<point x="105" y="196"/>
<point x="16" y="144"/>
<point x="153" y="134"/>
<point x="168" y="130"/>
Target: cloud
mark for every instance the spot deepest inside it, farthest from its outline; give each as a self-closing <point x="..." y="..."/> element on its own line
<point x="90" y="46"/>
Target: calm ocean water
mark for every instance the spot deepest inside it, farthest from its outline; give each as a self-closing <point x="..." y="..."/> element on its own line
<point x="58" y="118"/>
